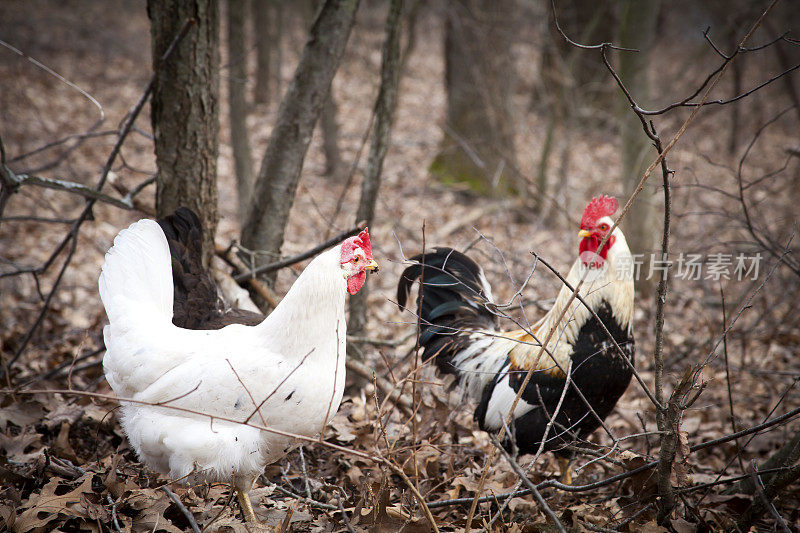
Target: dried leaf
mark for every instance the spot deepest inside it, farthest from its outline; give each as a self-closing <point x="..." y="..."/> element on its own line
<point x="652" y="527"/>
<point x="47" y="506"/>
<point x="62" y="446"/>
<point x="21" y="413"/>
<point x="23" y="448"/>
<point x="682" y="526"/>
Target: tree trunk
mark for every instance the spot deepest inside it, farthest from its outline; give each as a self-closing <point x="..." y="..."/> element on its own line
<point x="588" y="22"/>
<point x="478" y="146"/>
<point x="384" y="116"/>
<point x="262" y="33"/>
<point x="237" y="84"/>
<point x="277" y="49"/>
<point x="637" y="22"/>
<point x="185" y="110"/>
<point x="330" y="138"/>
<point x="300" y="108"/>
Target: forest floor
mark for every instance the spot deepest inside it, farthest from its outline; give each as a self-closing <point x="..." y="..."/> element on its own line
<point x="64" y="461"/>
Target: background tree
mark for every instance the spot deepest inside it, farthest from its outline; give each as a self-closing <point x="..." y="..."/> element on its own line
<point x="328" y="124"/>
<point x="637" y="25"/>
<point x="478" y="145"/>
<point x="237" y="94"/>
<point x="185" y="113"/>
<point x="263" y="35"/>
<point x="330" y="138"/>
<point x="300" y="108"/>
<point x="572" y="89"/>
<point x="384" y="116"/>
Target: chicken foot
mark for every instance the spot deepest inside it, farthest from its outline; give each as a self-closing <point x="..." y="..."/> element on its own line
<point x="247" y="507"/>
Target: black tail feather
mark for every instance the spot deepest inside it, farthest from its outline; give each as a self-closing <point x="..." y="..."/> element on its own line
<point x="450" y="303"/>
<point x="195" y="293"/>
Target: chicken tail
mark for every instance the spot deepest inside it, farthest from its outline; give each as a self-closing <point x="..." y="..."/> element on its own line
<point x="451" y="305"/>
<point x="136" y="279"/>
<point x="196" y="298"/>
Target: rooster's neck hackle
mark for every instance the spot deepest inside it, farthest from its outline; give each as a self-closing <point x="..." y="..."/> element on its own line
<point x="611" y="283"/>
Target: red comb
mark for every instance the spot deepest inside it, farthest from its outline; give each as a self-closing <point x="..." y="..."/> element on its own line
<point x="358" y="241"/>
<point x="366" y="245"/>
<point x="600" y="206"/>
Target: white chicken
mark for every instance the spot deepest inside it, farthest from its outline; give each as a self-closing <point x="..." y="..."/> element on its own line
<point x="195" y="391"/>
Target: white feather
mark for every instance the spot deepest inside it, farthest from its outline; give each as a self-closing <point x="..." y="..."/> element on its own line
<point x="480" y="362"/>
<point x="500" y="405"/>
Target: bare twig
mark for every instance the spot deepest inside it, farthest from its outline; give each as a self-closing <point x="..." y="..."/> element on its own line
<point x="346" y="520"/>
<point x="55" y="74"/>
<point x="113" y="505"/>
<point x="766" y="494"/>
<point x="262" y="290"/>
<point x="391" y="391"/>
<point x="584" y="46"/>
<point x="278" y="386"/>
<point x="189" y="516"/>
<point x="311" y="503"/>
<point x="305" y="472"/>
<point x="71" y="187"/>
<point x="277" y="265"/>
<point x="528" y="483"/>
<point x="72" y="236"/>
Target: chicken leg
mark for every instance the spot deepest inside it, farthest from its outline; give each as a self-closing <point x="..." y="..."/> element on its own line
<point x="247" y="507"/>
<point x="564" y="463"/>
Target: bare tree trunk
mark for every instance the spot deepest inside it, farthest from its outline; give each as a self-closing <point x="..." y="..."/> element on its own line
<point x="237" y="83"/>
<point x="330" y="138"/>
<point x="277" y="49"/>
<point x="478" y="147"/>
<point x="300" y="108"/>
<point x="637" y="23"/>
<point x="384" y="116"/>
<point x="566" y="80"/>
<point x="262" y="32"/>
<point x="590" y="22"/>
<point x="328" y="125"/>
<point x="185" y="113"/>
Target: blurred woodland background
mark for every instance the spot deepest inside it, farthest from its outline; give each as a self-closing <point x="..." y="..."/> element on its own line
<point x="481" y="125"/>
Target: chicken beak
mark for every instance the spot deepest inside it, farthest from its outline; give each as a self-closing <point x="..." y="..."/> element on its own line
<point x="584" y="233"/>
<point x="372" y="265"/>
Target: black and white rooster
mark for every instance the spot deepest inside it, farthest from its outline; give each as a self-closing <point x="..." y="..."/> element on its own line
<point x="462" y="334"/>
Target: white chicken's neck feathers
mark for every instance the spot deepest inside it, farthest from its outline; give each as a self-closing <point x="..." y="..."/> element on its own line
<point x="315" y="301"/>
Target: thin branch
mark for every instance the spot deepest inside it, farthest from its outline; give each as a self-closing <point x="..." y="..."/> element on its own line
<point x="61" y="78"/>
<point x="189" y="516"/>
<point x="271" y="267"/>
<point x="311" y="503"/>
<point x="528" y="483"/>
<point x="584" y="46"/>
<point x="71" y="187"/>
<point x="278" y="386"/>
<point x="72" y="236"/>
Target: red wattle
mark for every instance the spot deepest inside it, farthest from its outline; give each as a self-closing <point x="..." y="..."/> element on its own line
<point x="356" y="281"/>
<point x="588" y="247"/>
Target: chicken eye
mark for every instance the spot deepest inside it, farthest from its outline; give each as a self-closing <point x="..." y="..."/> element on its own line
<point x="356" y="260"/>
<point x="603" y="227"/>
